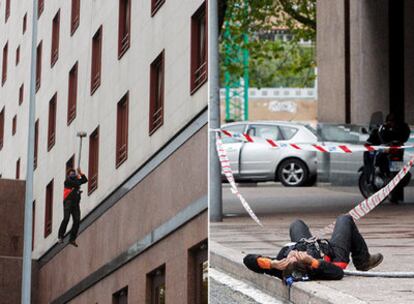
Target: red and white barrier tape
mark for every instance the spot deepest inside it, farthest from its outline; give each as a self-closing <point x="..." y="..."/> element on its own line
<point x="367" y="205"/>
<point x="313" y="147"/>
<point x="225" y="166"/>
<point x="362" y="209"/>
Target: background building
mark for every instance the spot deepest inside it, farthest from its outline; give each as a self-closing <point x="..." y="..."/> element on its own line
<point x="365" y="59"/>
<point x="133" y="76"/>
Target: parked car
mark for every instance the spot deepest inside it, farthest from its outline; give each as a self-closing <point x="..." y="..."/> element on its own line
<point x="260" y="162"/>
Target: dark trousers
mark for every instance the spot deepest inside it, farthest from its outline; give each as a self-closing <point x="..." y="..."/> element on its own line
<point x="70" y="208"/>
<point x="376" y="159"/>
<point x="346" y="240"/>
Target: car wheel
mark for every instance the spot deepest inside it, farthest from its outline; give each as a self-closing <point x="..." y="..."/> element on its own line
<point x="293" y="173"/>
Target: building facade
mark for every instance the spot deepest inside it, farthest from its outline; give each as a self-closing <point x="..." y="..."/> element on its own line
<point x="365" y="59"/>
<point x="11" y="239"/>
<point x="133" y="76"/>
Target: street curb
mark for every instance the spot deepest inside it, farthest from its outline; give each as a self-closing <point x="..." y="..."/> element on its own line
<point x="230" y="261"/>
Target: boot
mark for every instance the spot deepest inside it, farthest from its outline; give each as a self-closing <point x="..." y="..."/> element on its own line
<point x="373" y="261"/>
<point x="73" y="243"/>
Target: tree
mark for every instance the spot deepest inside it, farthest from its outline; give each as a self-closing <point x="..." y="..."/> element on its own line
<point x="258" y="17"/>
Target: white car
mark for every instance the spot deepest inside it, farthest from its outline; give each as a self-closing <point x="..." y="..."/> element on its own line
<point x="259" y="161"/>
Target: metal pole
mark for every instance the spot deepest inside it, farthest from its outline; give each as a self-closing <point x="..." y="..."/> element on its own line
<point x="246" y="78"/>
<point x="215" y="197"/>
<point x="80" y="151"/>
<point x="28" y="212"/>
<point x="246" y="66"/>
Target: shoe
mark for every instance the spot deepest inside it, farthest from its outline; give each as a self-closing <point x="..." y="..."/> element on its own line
<point x="73" y="243"/>
<point x="60" y="241"/>
<point x="373" y="261"/>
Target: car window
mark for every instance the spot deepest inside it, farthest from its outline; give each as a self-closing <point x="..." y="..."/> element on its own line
<point x="265" y="131"/>
<point x="288" y="132"/>
<point x="339" y="133"/>
<point x="239" y="128"/>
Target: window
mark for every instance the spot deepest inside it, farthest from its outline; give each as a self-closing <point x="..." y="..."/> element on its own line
<point x="198" y="48"/>
<point x="265" y="131"/>
<point x="18" y="55"/>
<point x="96" y="60"/>
<point x="33" y="223"/>
<point x="1" y="128"/>
<point x="121" y="296"/>
<point x="74" y="16"/>
<point x="14" y="125"/>
<point x="18" y="169"/>
<point x="40" y="7"/>
<point x="51" y="133"/>
<point x="21" y="94"/>
<point x="72" y="93"/>
<point x="122" y="130"/>
<point x="7" y="13"/>
<point x="124" y="26"/>
<point x="156" y="113"/>
<point x="288" y="132"/>
<point x="155" y="6"/>
<point x="156" y="286"/>
<point x="4" y="66"/>
<point x="198" y="274"/>
<point x="38" y="65"/>
<point x="93" y="161"/>
<point x="36" y="144"/>
<point x="55" y="39"/>
<point x="239" y="128"/>
<point x="49" y="209"/>
<point x="24" y="23"/>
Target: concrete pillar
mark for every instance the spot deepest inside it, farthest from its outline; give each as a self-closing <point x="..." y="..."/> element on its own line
<point x="369" y="59"/>
<point x="409" y="61"/>
<point x="330" y="43"/>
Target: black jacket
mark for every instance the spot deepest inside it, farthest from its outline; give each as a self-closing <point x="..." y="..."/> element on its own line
<point x="72" y="188"/>
<point x="400" y="133"/>
<point x="325" y="271"/>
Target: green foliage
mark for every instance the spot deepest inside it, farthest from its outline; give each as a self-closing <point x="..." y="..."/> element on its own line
<point x="272" y="63"/>
<point x="294" y="67"/>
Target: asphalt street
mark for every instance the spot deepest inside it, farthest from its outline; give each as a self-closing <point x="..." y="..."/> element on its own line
<point x="273" y="198"/>
<point x="221" y="293"/>
<point x="226" y="289"/>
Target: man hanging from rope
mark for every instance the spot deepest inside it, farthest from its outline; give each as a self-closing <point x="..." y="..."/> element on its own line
<point x="308" y="258"/>
<point x="71" y="200"/>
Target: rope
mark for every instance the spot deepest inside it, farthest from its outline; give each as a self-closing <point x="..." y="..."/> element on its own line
<point x="380" y="274"/>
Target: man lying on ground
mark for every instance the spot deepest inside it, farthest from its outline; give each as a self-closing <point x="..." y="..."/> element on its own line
<point x="317" y="259"/>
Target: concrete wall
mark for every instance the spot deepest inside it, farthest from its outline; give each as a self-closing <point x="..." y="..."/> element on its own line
<point x="369" y="53"/>
<point x="11" y="239"/>
<point x="285" y="110"/>
<point x="169" y="29"/>
<point x="175" y="184"/>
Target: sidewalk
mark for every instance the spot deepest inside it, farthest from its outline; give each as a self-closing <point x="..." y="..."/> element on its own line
<point x="389" y="229"/>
